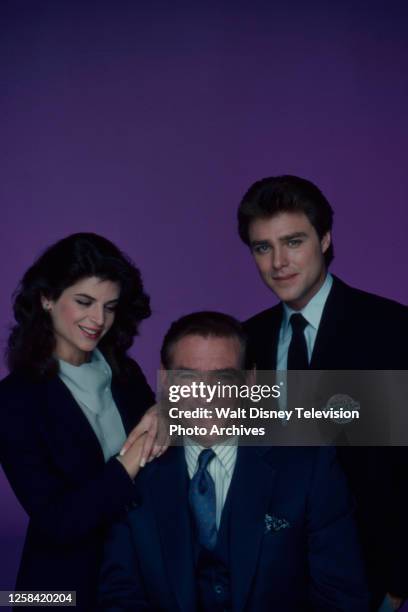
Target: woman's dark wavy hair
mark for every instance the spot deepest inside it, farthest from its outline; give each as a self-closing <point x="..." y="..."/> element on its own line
<point x="32" y="343"/>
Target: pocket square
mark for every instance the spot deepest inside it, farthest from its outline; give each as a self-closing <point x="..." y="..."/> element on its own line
<point x="274" y="523"/>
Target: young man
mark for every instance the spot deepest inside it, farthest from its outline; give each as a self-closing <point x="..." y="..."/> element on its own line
<point x="323" y="324"/>
<point x="226" y="528"/>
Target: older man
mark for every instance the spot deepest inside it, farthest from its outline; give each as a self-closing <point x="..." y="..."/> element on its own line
<point x="225" y="527"/>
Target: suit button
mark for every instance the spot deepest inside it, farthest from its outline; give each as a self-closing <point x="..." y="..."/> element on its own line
<point x="218" y="589"/>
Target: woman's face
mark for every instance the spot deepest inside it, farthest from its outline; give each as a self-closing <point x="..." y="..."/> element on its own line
<point x="81" y="316"/>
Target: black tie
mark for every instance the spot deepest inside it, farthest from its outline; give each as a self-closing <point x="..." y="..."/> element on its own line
<point x="297" y="353"/>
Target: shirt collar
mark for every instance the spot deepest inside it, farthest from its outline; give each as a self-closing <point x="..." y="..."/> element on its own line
<point x="88" y="377"/>
<point x="226" y="453"/>
<point x="313" y="310"/>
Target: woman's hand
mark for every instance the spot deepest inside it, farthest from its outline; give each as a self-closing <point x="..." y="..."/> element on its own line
<point x="131" y="460"/>
<point x="155" y="431"/>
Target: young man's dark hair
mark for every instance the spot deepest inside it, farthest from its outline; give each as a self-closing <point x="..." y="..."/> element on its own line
<point x="292" y="194"/>
<point x="205" y="324"/>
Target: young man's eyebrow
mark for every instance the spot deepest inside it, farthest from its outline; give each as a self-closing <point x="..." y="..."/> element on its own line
<point x="293" y="236"/>
<point x="284" y="238"/>
<point x="259" y="242"/>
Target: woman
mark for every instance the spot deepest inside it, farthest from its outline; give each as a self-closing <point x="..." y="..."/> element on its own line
<point x="70" y="400"/>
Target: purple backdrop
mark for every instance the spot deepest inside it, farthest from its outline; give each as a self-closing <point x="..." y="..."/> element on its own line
<point x="147" y="123"/>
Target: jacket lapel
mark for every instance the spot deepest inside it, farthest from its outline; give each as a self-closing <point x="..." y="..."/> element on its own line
<point x="125" y="403"/>
<point x="264" y="329"/>
<point x="68" y="431"/>
<point x="263" y="337"/>
<point x="251" y="491"/>
<point x="272" y="338"/>
<point x="330" y="328"/>
<point x="169" y="491"/>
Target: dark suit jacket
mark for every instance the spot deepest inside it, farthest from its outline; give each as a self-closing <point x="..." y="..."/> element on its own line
<point x="359" y="331"/>
<point x="149" y="559"/>
<point x="56" y="468"/>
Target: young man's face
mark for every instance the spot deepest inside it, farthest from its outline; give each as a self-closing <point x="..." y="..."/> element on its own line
<point x="290" y="256"/>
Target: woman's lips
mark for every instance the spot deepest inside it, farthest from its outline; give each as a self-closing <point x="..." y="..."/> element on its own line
<point x="93" y="334"/>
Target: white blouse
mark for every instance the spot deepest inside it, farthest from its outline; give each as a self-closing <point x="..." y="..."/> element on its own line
<point x="90" y="384"/>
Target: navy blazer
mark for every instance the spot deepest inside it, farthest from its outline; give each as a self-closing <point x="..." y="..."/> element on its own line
<point x="55" y="465"/>
<point x="313" y="561"/>
<point x="359" y="331"/>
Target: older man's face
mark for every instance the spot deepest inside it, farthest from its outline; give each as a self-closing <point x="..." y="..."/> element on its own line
<point x="211" y="360"/>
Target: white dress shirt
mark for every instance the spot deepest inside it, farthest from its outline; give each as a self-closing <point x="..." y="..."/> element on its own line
<point x="312" y="312"/>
